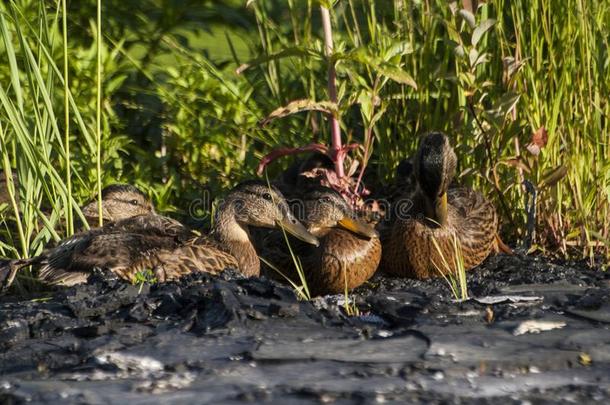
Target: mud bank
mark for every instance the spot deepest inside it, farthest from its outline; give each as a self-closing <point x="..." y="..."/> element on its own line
<point x="535" y="331"/>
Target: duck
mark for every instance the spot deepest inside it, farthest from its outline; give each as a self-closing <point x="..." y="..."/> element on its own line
<point x="432" y="222"/>
<point x="119" y="201"/>
<point x="349" y="251"/>
<point x="167" y="248"/>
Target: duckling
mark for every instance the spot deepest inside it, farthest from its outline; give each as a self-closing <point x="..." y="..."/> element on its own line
<point x="436" y="213"/>
<point x="168" y="248"/>
<point x="349" y="251"/>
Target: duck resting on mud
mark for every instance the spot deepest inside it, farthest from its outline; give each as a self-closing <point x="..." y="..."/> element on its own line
<point x="119" y="201"/>
<point x="439" y="222"/>
<point x="349" y="251"/>
<point x="168" y="248"/>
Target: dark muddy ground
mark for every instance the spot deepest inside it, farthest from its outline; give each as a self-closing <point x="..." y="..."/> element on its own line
<point x="231" y="340"/>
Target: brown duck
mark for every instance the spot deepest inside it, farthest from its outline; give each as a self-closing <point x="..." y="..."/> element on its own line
<point x="119" y="201"/>
<point x="349" y="251"/>
<point x="169" y="249"/>
<point x="431" y="220"/>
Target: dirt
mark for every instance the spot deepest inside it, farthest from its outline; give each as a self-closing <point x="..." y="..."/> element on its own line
<point x="535" y="331"/>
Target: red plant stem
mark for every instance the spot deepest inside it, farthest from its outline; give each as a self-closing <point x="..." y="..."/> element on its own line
<point x="336" y="144"/>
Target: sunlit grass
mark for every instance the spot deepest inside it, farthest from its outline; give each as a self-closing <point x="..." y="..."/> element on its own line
<point x="349" y="306"/>
<point x="302" y="289"/>
<point x="452" y="268"/>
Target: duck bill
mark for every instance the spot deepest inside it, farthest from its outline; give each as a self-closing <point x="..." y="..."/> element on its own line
<point x="440" y="209"/>
<point x="298" y="230"/>
<point x="358" y="226"/>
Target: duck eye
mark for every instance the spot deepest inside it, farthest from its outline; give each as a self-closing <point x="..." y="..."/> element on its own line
<point x="325" y="199"/>
<point x="267" y="196"/>
<point x="133" y="202"/>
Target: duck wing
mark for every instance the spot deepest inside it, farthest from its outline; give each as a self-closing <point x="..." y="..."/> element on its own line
<point x="201" y="255"/>
<point x="476" y="222"/>
<point x="124" y="247"/>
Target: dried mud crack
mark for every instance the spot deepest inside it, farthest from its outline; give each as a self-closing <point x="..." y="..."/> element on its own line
<point x="534" y="330"/>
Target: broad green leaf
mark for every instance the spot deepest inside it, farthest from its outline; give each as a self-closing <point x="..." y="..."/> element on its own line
<point x="553" y="176"/>
<point x="468" y="17"/>
<point x="298" y="106"/>
<point x="481" y="30"/>
<point x="366" y="105"/>
<point x="284" y="53"/>
<point x="459" y="51"/>
<point x="398" y="48"/>
<point x="398" y="75"/>
<point x="472" y="56"/>
<point x="507" y="102"/>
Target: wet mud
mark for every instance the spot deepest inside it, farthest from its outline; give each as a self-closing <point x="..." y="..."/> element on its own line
<point x="533" y="331"/>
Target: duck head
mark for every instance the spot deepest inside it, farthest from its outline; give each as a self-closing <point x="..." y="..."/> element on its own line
<point x="254" y="203"/>
<point x="434" y="169"/>
<point x="119" y="201"/>
<point x="326" y="209"/>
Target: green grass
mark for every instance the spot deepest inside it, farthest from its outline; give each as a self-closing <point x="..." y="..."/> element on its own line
<point x="451" y="268"/>
<point x="170" y="114"/>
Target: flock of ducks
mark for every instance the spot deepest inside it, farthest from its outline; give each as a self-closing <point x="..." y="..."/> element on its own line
<point x="336" y="248"/>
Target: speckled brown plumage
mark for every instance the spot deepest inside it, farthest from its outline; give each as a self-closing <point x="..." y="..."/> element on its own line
<point x="408" y="244"/>
<point x="127" y="247"/>
<point x="344" y="257"/>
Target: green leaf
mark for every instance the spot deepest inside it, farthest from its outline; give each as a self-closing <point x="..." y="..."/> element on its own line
<point x="298" y="106"/>
<point x="468" y="17"/>
<point x="552" y="177"/>
<point x="459" y="51"/>
<point x="12" y="60"/>
<point x="398" y="75"/>
<point x="366" y="105"/>
<point x="284" y="53"/>
<point x="481" y="30"/>
<point x="398" y="48"/>
<point x="472" y="56"/>
<point x="507" y="102"/>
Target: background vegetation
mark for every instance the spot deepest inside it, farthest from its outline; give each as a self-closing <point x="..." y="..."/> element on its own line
<point x="520" y="86"/>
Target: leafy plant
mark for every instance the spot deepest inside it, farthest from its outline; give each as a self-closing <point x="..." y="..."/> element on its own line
<point x="146" y="276"/>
